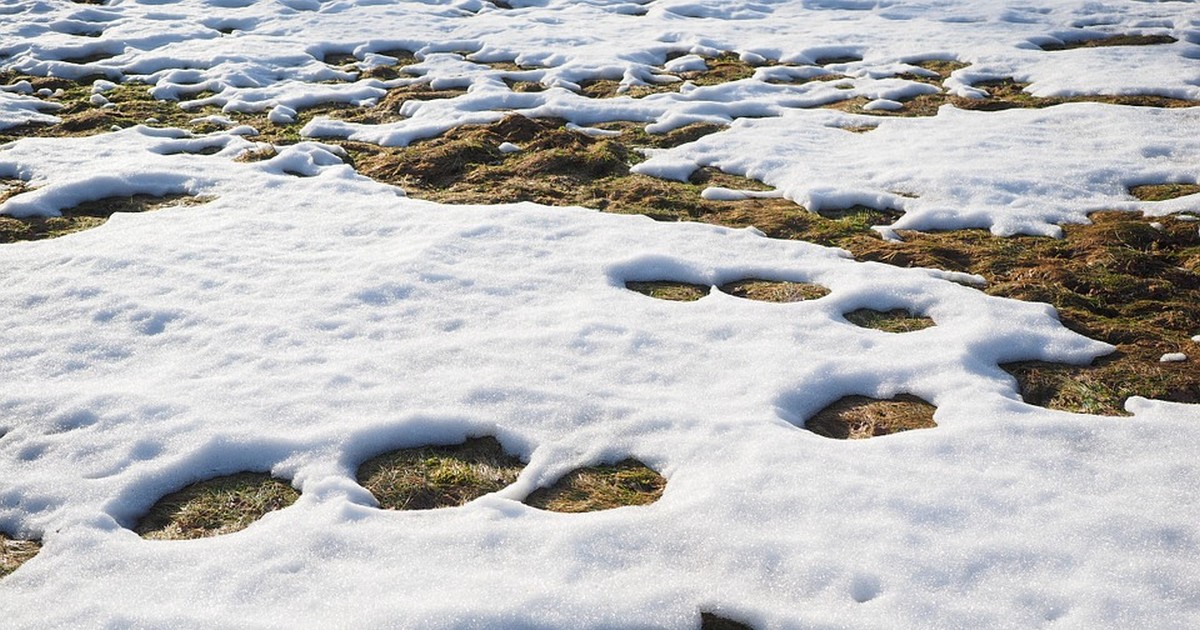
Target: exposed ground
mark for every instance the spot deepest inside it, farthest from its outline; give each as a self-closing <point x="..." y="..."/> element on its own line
<point x="430" y="477"/>
<point x="1127" y="280"/>
<point x="216" y="506"/>
<point x="627" y="482"/>
<point x="14" y="553"/>
<point x="858" y="417"/>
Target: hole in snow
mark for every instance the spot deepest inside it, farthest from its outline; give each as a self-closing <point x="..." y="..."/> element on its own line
<point x="221" y="505"/>
<point x="431" y="477"/>
<point x="1115" y="40"/>
<point x="1163" y="192"/>
<point x="86" y="215"/>
<point x="857" y="417"/>
<point x="774" y="291"/>
<point x="829" y="61"/>
<point x="14" y="553"/>
<point x="862" y="217"/>
<point x="711" y="621"/>
<point x="628" y="482"/>
<point x="667" y="290"/>
<point x="897" y="320"/>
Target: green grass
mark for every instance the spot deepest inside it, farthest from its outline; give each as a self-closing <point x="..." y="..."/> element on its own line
<point x="216" y="506"/>
<point x="432" y="477"/>
<point x="628" y="482"/>
<point x="894" y="321"/>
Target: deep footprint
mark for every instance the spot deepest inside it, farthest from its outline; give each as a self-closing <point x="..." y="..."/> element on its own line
<point x="897" y="320"/>
<point x="628" y="482"/>
<point x="859" y="417"/>
<point x="431" y="477"/>
<point x="216" y="506"/>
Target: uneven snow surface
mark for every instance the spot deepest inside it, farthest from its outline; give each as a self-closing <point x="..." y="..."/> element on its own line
<point x="306" y="318"/>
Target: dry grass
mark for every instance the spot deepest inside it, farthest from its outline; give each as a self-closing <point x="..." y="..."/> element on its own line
<point x="1163" y="192"/>
<point x="628" y="482"/>
<point x="670" y="291"/>
<point x="896" y="320"/>
<point x="858" y="417"/>
<point x="85" y="216"/>
<point x="14" y="553"/>
<point x="432" y="477"/>
<point x="1115" y="40"/>
<point x="774" y="291"/>
<point x="217" y="506"/>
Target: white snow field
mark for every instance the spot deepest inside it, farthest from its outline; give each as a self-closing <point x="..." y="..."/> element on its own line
<point x="306" y="318"/>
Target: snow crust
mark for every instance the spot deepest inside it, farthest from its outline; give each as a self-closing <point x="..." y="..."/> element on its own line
<point x="306" y="318"/>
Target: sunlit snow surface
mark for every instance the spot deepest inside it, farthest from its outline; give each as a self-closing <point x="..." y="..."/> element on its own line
<point x="307" y="318"/>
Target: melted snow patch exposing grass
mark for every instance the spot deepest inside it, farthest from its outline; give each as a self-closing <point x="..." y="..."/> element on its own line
<point x="605" y="487"/>
<point x="14" y="553"/>
<point x="858" y="417"/>
<point x="84" y="216"/>
<point x="670" y="291"/>
<point x="897" y="320"/>
<point x="213" y="507"/>
<point x="774" y="291"/>
<point x="430" y="477"/>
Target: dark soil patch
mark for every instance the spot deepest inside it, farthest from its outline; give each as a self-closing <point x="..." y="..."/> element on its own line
<point x="774" y="291"/>
<point x="857" y="417"/>
<point x="628" y="482"/>
<point x="1116" y="40"/>
<point x="895" y="321"/>
<point x="217" y="506"/>
<point x="14" y="553"/>
<point x="430" y="477"/>
<point x="85" y="216"/>
<point x="710" y="621"/>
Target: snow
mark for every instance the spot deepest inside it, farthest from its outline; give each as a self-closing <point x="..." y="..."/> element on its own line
<point x="306" y="318"/>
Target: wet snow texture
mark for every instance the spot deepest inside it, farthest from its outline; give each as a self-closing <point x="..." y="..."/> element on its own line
<point x="307" y="319"/>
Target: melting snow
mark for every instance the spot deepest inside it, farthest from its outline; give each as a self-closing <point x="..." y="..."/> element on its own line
<point x="307" y="318"/>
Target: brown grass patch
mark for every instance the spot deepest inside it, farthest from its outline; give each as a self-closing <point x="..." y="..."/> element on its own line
<point x="896" y="320"/>
<point x="217" y="506"/>
<point x="430" y="477"/>
<point x="671" y="291"/>
<point x="858" y="417"/>
<point x="1163" y="192"/>
<point x="1115" y="40"/>
<point x="774" y="291"/>
<point x="14" y="553"/>
<point x="85" y="216"/>
<point x="628" y="482"/>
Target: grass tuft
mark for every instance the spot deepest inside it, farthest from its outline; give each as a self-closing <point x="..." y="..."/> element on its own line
<point x="628" y="482"/>
<point x="858" y="417"/>
<point x="671" y="291"/>
<point x="216" y="506"/>
<point x="896" y="320"/>
<point x="774" y="291"/>
<point x="430" y="477"/>
<point x="1163" y="192"/>
<point x="14" y="553"/>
